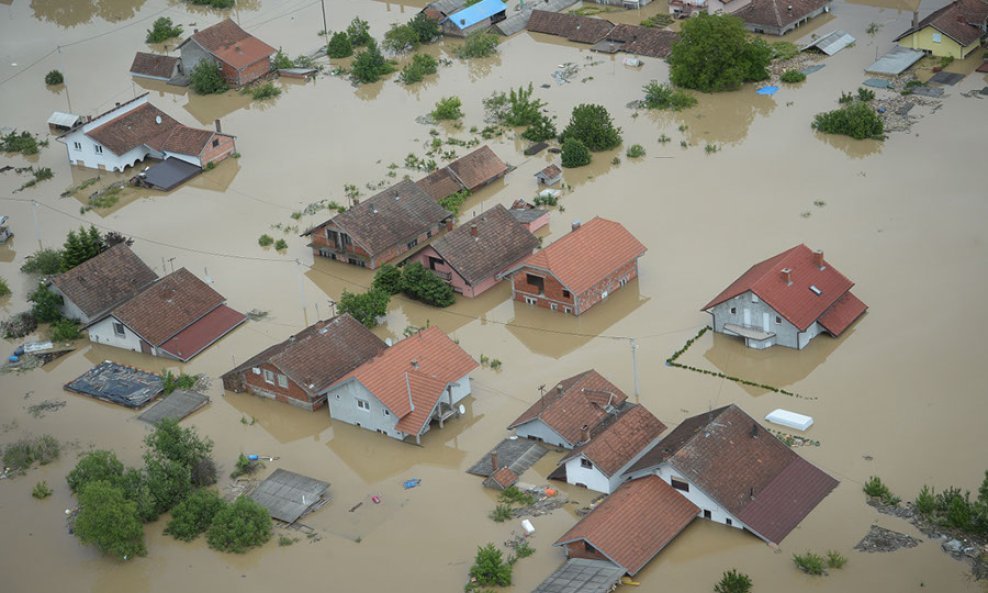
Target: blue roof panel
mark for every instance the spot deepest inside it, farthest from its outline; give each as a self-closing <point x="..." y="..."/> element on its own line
<point x="471" y="15"/>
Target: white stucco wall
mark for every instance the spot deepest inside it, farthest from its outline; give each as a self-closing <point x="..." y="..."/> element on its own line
<point x="102" y="333"/>
<point x="592" y="478"/>
<point x="718" y="513"/>
<point x="342" y="404"/>
<point x="536" y="429"/>
<point x="85" y="154"/>
<point x="461" y="389"/>
<point x="70" y="309"/>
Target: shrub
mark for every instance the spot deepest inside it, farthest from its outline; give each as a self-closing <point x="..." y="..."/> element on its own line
<point x="65" y="330"/>
<point x="489" y="567"/>
<point x="370" y="65"/>
<point x="265" y="240"/>
<point x="524" y="550"/>
<point x="454" y="202"/>
<point x="835" y="559"/>
<point x="733" y="581"/>
<point x="574" y="154"/>
<point x="207" y="79"/>
<point x="260" y="92"/>
<point x="281" y="245"/>
<point x="339" y="46"/>
<point x="784" y="50"/>
<point x="20" y="455"/>
<point x="4" y="289"/>
<point x="46" y="306"/>
<point x="41" y="490"/>
<point x="809" y="563"/>
<point x="635" y="151"/>
<point x="194" y="515"/>
<point x="857" y="120"/>
<point x="214" y="3"/>
<point x="359" y="32"/>
<point x="244" y="466"/>
<point x="865" y="94"/>
<point x="365" y="307"/>
<point x="592" y="125"/>
<point x="182" y="445"/>
<point x="792" y="76"/>
<point x="514" y="495"/>
<point x="54" y="77"/>
<point x="388" y="279"/>
<point x="447" y="108"/>
<point x="479" y="44"/>
<point x="420" y="66"/>
<point x="239" y="526"/>
<point x="663" y="96"/>
<point x="23" y="143"/>
<point x="423" y="285"/>
<point x="925" y="501"/>
<point x="425" y="28"/>
<point x="109" y="521"/>
<point x="44" y="261"/>
<point x="501" y="513"/>
<point x="163" y="29"/>
<point x="542" y="129"/>
<point x="281" y="60"/>
<point x="715" y="53"/>
<point x="171" y="382"/>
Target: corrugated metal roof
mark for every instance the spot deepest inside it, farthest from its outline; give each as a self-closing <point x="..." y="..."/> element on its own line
<point x="473" y="14"/>
<point x="65" y="120"/>
<point x="895" y="62"/>
<point x="579" y="575"/>
<point x="831" y="43"/>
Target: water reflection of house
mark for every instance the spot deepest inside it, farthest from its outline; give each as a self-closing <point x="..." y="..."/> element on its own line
<point x="579" y="270"/>
<point x="242" y="58"/>
<point x="407" y="387"/>
<point x="953" y="31"/>
<point x="301" y="369"/>
<point x="787" y="300"/>
<point x="471" y="257"/>
<point x="778" y="17"/>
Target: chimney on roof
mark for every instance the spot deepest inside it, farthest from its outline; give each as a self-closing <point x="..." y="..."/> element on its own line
<point x="818" y="259"/>
<point x="915" y="19"/>
<point x="395" y="194"/>
<point x="787" y="276"/>
<point x="574" y="225"/>
<point x="754" y="430"/>
<point x="586" y="433"/>
<point x="449" y="225"/>
<point x="415" y="364"/>
<point x="219" y="127"/>
<point x="194" y="31"/>
<point x="494" y="466"/>
<point x="118" y="103"/>
<point x="473" y="230"/>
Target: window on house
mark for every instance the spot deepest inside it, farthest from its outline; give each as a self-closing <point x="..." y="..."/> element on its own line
<point x="679" y="485"/>
<point x="589" y="548"/>
<point x="553" y="306"/>
<point x="363" y="404"/>
<point x="778" y="320"/>
<point x="412" y="243"/>
<point x="623" y="281"/>
<point x="754" y="298"/>
<point x="531" y="300"/>
<point x="77" y="145"/>
<point x="98" y="149"/>
<point x="268" y="377"/>
<point x="586" y="463"/>
<point x="566" y="294"/>
<point x="387" y="412"/>
<point x="216" y="142"/>
<point x="734" y="310"/>
<point x="118" y="329"/>
<point x="707" y="514"/>
<point x="536" y="281"/>
<point x="728" y="522"/>
<point x="282" y="381"/>
<point x="567" y="310"/>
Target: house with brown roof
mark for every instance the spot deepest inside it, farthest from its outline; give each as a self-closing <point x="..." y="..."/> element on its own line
<point x="300" y="370"/>
<point x="242" y="58"/>
<point x="155" y="66"/>
<point x="778" y="17"/>
<point x="737" y="473"/>
<point x="440" y="184"/>
<point x="177" y="317"/>
<point x="599" y="463"/>
<point x="787" y="300"/>
<point x="953" y="31"/>
<point x="471" y="257"/>
<point x="136" y="130"/>
<point x="579" y="270"/>
<point x="551" y="175"/>
<point x="563" y="415"/>
<point x="631" y="526"/>
<point x="95" y="287"/>
<point x="407" y="387"/>
<point x="383" y="228"/>
<point x="478" y="168"/>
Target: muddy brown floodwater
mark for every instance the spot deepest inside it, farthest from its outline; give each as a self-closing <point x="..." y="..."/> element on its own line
<point x="901" y="395"/>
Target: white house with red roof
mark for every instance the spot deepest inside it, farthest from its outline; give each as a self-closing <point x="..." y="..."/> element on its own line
<point x="405" y="388"/>
<point x="787" y="300"/>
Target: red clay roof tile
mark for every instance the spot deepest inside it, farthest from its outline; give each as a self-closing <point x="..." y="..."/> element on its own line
<point x="203" y="333"/>
<point x="621" y="440"/>
<point x="231" y="44"/>
<point x="842" y="314"/>
<point x="99" y="284"/>
<point x="168" y="306"/>
<point x="478" y="168"/>
<point x="499" y="242"/>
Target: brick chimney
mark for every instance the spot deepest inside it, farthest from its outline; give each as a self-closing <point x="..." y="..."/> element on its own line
<point x="219" y="127"/>
<point x="818" y="259"/>
<point x="586" y="433"/>
<point x="473" y="230"/>
<point x="786" y="274"/>
<point x="449" y="224"/>
<point x="494" y="466"/>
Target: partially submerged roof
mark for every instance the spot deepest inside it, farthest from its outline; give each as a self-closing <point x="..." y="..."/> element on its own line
<point x="830" y="43"/>
<point x="643" y="41"/>
<point x="64" y="120"/>
<point x="392" y="217"/>
<point x="580" y="401"/>
<point x="622" y="439"/>
<point x="154" y="65"/>
<point x="778" y="13"/>
<point x="634" y="523"/>
<point x="743" y="468"/>
<point x="204" y="332"/>
<point x="588" y="254"/>
<point x="814" y="286"/>
<point x="118" y="384"/>
<point x="99" y="284"/>
<point x="516" y="454"/>
<point x="287" y="495"/>
<point x="320" y="354"/>
<point x="439" y="184"/>
<point x="896" y="61"/>
<point x="478" y="167"/>
<point x="579" y="575"/>
<point x="176" y="406"/>
<point x="581" y="29"/>
<point x="231" y="44"/>
<point x="475" y="13"/>
<point x="551" y="171"/>
<point x="486" y="245"/>
<point x="517" y="20"/>
<point x="410" y="376"/>
<point x="501" y="479"/>
<point x="962" y="20"/>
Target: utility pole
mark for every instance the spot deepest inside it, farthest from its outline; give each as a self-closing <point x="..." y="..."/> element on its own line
<point x="325" y="29"/>
<point x="301" y="293"/>
<point x="34" y="215"/>
<point x="634" y="364"/>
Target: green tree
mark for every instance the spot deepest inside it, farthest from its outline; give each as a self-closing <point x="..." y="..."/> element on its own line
<point x="137" y="490"/>
<point x="81" y="246"/>
<point x="478" y="44"/>
<point x="109" y="521"/>
<point x="425" y="28"/>
<point x="54" y="77"/>
<point x="542" y="129"/>
<point x="4" y="288"/>
<point x="47" y="305"/>
<point x="388" y="279"/>
<point x="401" y="39"/>
<point x="663" y="96"/>
<point x="420" y="66"/>
<point x="365" y="307"/>
<point x="733" y="582"/>
<point x="370" y="65"/>
<point x="358" y="32"/>
<point x="168" y="481"/>
<point x="65" y="330"/>
<point x="574" y="154"/>
<point x="520" y="108"/>
<point x="99" y="465"/>
<point x="280" y="61"/>
<point x="207" y="79"/>
<point x="339" y="46"/>
<point x="447" y="108"/>
<point x="183" y="445"/>
<point x="857" y="120"/>
<point x="715" y="53"/>
<point x="239" y="526"/>
<point x="194" y="515"/>
<point x="163" y="29"/>
<point x="43" y="261"/>
<point x="592" y="125"/>
<point x="489" y="567"/>
<point x="423" y="285"/>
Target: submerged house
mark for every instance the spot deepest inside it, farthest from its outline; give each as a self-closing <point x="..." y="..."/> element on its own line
<point x="95" y="287"/>
<point x="136" y="130"/>
<point x="533" y="217"/>
<point x="787" y="300"/>
<point x="778" y="17"/>
<point x="565" y="413"/>
<point x="383" y="228"/>
<point x="579" y="270"/>
<point x="155" y="66"/>
<point x="737" y="473"/>
<point x="404" y="389"/>
<point x="177" y="317"/>
<point x="601" y="460"/>
<point x="242" y="58"/>
<point x="470" y="172"/>
<point x="471" y="257"/>
<point x="479" y="16"/>
<point x="300" y="370"/>
<point x="953" y="31"/>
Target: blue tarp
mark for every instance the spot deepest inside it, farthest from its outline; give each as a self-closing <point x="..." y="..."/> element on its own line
<point x="471" y="15"/>
<point x="767" y="90"/>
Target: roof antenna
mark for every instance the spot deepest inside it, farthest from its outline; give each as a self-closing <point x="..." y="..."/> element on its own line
<point x="542" y="396"/>
<point x="754" y="430"/>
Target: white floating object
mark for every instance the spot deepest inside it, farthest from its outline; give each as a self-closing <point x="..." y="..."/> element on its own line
<point x="528" y="527"/>
<point x="550" y="193"/>
<point x="790" y="419"/>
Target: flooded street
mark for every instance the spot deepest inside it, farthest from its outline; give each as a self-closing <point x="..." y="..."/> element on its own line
<point x="900" y="395"/>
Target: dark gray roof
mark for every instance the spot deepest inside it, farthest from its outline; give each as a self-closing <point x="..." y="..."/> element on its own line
<point x="579" y="575"/>
<point x="99" y="284"/>
<point x="170" y="173"/>
<point x="287" y="495"/>
<point x="176" y="406"/>
<point x="513" y="453"/>
<point x="501" y="241"/>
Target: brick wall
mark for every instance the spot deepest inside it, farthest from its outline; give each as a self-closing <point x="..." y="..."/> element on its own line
<point x="553" y="292"/>
<point x="254" y="71"/>
<point x="388" y="255"/>
<point x="293" y="394"/>
<point x="595" y="294"/>
<point x="226" y="146"/>
<point x="577" y="549"/>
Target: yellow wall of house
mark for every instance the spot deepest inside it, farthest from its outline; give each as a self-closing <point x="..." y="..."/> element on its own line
<point x="923" y="40"/>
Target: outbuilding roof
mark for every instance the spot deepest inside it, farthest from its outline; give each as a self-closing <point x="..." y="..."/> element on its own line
<point x="778" y="13"/>
<point x="439" y="184"/>
<point x="473" y="14"/>
<point x="486" y="245"/>
<point x="621" y="440"/>
<point x="478" y="167"/>
<point x="231" y="44"/>
<point x="99" y="284"/>
<point x="154" y="65"/>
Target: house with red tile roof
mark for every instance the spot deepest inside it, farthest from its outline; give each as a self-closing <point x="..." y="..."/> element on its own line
<point x="406" y="387"/>
<point x="242" y="58"/>
<point x="787" y="300"/>
<point x="177" y="317"/>
<point x="300" y="370"/>
<point x="599" y="463"/>
<point x="631" y="526"/>
<point x="579" y="270"/>
<point x="564" y="414"/>
<point x="737" y="473"/>
<point x="471" y="257"/>
<point x="95" y="287"/>
<point x="136" y="130"/>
